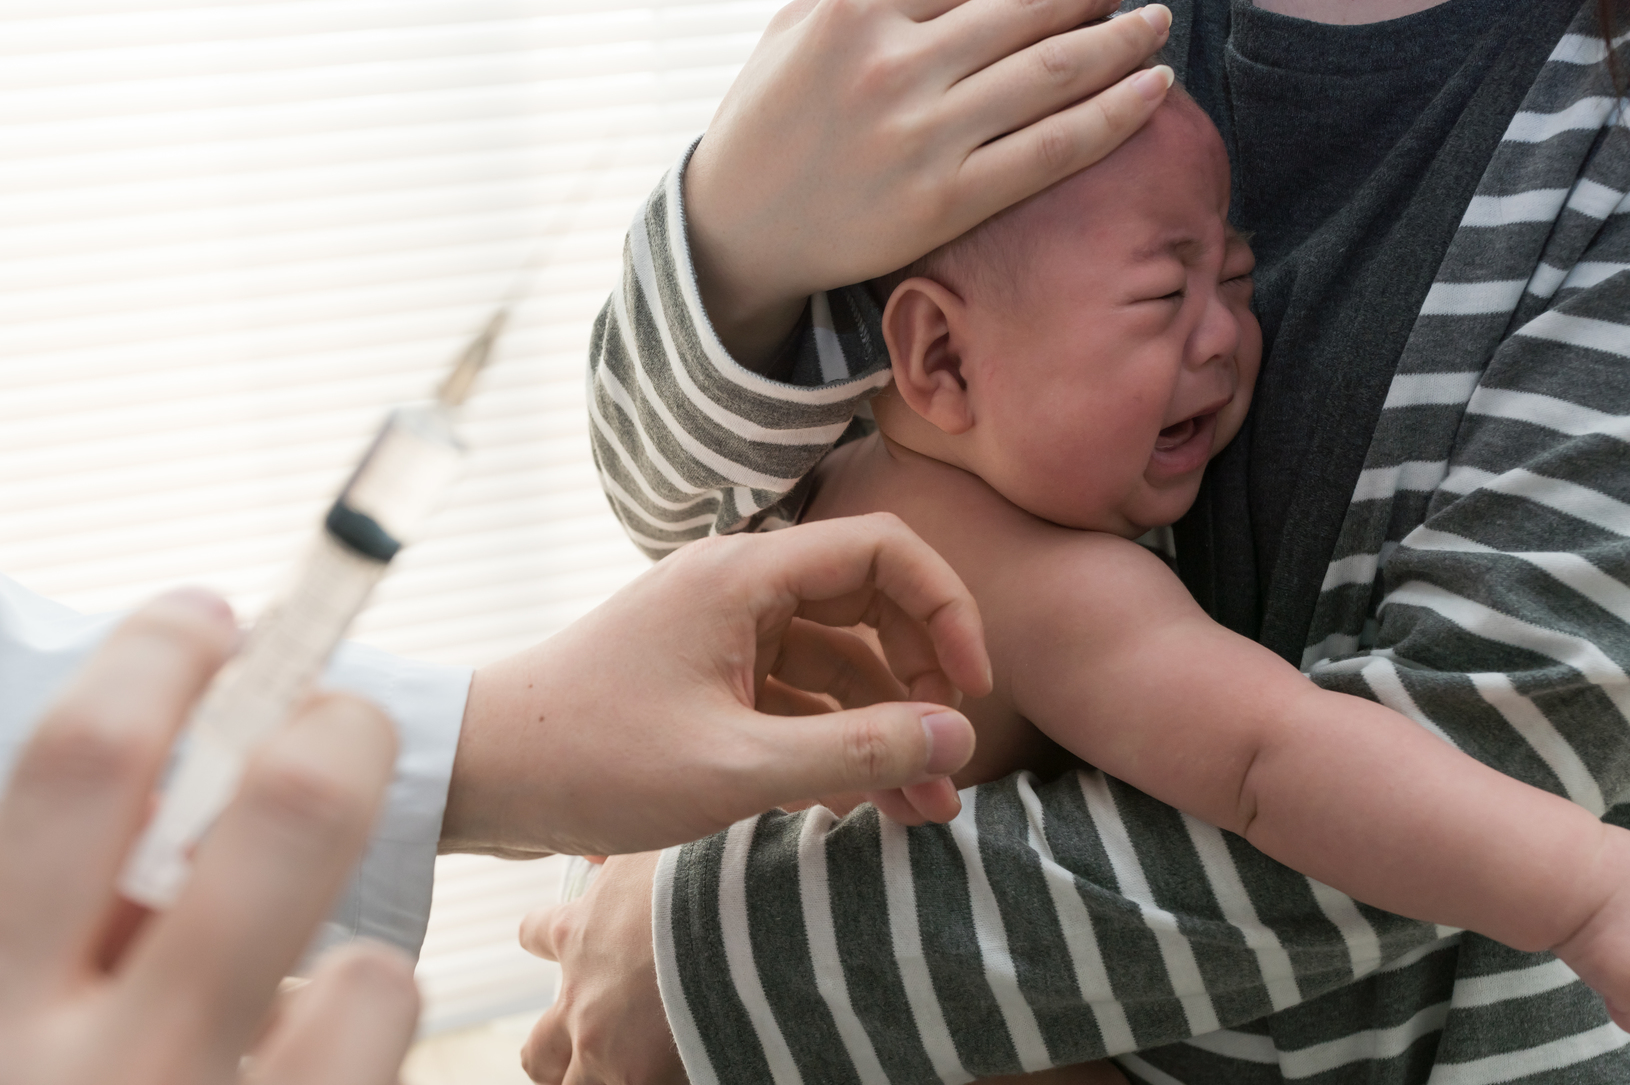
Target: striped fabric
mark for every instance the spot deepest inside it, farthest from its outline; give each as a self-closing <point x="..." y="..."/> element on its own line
<point x="1481" y="586"/>
<point x="689" y="443"/>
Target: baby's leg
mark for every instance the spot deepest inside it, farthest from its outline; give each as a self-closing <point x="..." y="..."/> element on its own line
<point x="1084" y="1073"/>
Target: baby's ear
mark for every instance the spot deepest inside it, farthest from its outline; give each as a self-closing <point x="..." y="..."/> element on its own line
<point x="919" y="325"/>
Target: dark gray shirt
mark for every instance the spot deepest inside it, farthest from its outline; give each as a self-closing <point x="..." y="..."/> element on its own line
<point x="1315" y="109"/>
<point x="1355" y="150"/>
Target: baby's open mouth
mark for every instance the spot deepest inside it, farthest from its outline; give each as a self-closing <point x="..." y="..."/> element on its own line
<point x="1175" y="435"/>
<point x="1185" y="446"/>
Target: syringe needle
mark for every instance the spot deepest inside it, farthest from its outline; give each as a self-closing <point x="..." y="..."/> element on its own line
<point x="456" y="388"/>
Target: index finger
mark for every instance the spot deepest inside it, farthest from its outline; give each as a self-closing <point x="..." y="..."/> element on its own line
<point x="82" y="784"/>
<point x="1018" y="165"/>
<point x="1086" y="51"/>
<point x="265" y="876"/>
<point x="1026" y="21"/>
<point x="828" y="571"/>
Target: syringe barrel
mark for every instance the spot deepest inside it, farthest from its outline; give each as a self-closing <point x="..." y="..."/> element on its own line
<point x="389" y="495"/>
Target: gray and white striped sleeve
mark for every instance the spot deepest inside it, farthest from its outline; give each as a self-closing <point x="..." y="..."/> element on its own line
<point x="1479" y="583"/>
<point x="689" y="443"/>
<point x="1488" y="541"/>
<point x="1049" y="924"/>
<point x="1504" y="623"/>
<point x="1503" y="618"/>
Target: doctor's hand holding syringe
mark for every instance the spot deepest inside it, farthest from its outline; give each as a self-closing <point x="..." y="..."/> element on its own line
<point x="632" y="729"/>
<point x="635" y="728"/>
<point x="388" y="496"/>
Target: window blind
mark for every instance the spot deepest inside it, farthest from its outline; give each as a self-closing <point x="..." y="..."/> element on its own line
<point x="232" y="234"/>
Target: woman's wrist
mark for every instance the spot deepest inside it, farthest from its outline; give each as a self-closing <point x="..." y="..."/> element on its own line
<point x="752" y="329"/>
<point x="496" y="767"/>
<point x="751" y="312"/>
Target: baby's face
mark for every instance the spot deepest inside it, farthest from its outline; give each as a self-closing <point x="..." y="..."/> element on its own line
<point x="1123" y="358"/>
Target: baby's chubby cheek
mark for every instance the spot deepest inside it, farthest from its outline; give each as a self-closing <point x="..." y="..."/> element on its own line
<point x="1079" y="472"/>
<point x="1159" y="505"/>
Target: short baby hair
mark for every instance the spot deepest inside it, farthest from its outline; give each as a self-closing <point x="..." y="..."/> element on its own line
<point x="986" y="259"/>
<point x="989" y="258"/>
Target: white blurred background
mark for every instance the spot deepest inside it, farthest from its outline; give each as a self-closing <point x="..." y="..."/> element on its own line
<point x="233" y="233"/>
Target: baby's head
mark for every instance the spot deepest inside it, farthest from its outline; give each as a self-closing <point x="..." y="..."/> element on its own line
<point x="1087" y="351"/>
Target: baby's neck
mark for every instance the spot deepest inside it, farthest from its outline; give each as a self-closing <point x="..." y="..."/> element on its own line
<point x="916" y="456"/>
<point x="906" y="431"/>
<point x="879" y="474"/>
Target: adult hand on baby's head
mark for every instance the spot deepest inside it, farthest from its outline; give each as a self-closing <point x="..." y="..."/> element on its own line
<point x="637" y="727"/>
<point x="91" y="989"/>
<point x="864" y="133"/>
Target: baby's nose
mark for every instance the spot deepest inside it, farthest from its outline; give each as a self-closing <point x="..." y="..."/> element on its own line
<point x="1217" y="335"/>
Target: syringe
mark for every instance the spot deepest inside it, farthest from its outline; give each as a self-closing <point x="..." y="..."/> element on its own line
<point x="391" y="492"/>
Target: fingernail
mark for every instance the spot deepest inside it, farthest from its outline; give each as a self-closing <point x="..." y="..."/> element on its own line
<point x="946" y="733"/>
<point x="1153" y="83"/>
<point x="1158" y="16"/>
<point x="199" y="601"/>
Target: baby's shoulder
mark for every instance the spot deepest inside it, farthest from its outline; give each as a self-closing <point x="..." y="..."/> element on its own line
<point x="1005" y="554"/>
<point x="1070" y="564"/>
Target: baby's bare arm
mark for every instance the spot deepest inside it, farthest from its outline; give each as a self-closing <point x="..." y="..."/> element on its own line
<point x="1111" y="657"/>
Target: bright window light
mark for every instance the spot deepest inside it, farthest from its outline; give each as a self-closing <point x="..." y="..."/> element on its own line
<point x="232" y="234"/>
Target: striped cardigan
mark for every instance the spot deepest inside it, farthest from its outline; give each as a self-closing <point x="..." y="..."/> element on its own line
<point x="1481" y="586"/>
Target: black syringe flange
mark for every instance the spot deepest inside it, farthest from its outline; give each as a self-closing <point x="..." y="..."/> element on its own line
<point x="360" y="533"/>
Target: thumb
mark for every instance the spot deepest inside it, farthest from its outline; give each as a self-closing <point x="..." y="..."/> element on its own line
<point x="881" y="746"/>
<point x="544" y="929"/>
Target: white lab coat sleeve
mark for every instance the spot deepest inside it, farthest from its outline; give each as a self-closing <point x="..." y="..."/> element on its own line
<point x="389" y="894"/>
<point x="42" y="643"/>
